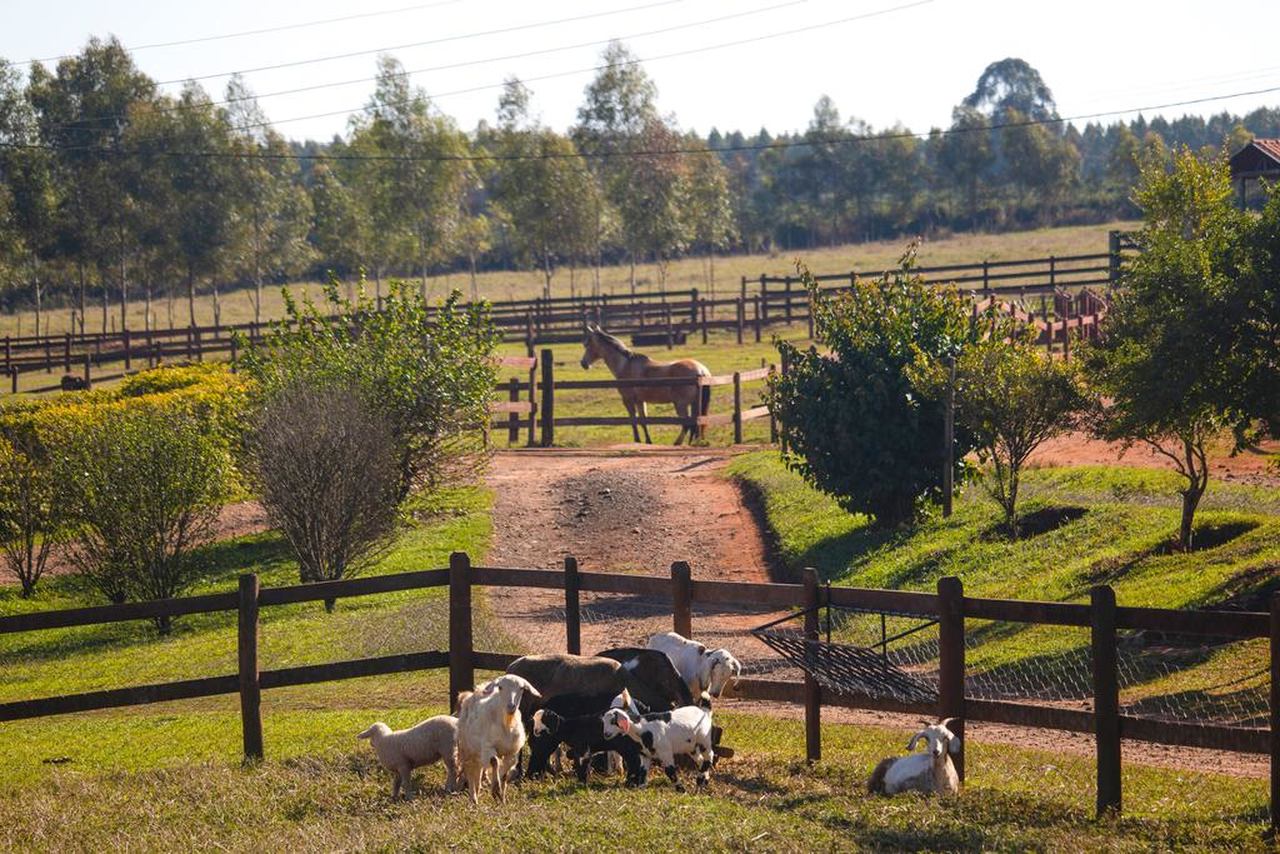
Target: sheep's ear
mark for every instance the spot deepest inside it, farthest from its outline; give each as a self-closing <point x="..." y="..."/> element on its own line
<point x="366" y="734"/>
<point x="623" y="722"/>
<point x="953" y="745"/>
<point x="524" y="685"/>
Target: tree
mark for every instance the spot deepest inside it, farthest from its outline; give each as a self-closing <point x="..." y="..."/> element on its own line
<point x="709" y="209"/>
<point x="30" y="512"/>
<point x="1012" y="84"/>
<point x="430" y="375"/>
<point x="1254" y="303"/>
<point x="1164" y="360"/>
<point x="857" y="425"/>
<point x="341" y="231"/>
<point x="650" y="189"/>
<point x="966" y="153"/>
<point x="1011" y="399"/>
<point x="142" y="488"/>
<point x="325" y="466"/>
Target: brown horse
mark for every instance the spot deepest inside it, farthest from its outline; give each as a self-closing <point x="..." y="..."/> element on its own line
<point x="690" y="400"/>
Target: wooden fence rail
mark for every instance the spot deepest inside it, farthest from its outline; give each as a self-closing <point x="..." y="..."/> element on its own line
<point x="948" y="605"/>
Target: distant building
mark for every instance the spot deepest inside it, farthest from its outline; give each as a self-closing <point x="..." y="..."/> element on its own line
<point x="1259" y="160"/>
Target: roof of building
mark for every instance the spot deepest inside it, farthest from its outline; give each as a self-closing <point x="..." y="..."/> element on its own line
<point x="1258" y="157"/>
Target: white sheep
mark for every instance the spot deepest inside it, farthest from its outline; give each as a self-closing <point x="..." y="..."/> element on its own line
<point x="703" y="670"/>
<point x="663" y="736"/>
<point x="491" y="733"/>
<point x="930" y="771"/>
<point x="400" y="751"/>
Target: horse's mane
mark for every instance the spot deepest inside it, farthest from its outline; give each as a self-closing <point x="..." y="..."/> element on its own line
<point x="614" y="343"/>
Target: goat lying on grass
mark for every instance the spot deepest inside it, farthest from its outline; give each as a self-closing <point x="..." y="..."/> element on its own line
<point x="401" y="751"/>
<point x="930" y="771"/>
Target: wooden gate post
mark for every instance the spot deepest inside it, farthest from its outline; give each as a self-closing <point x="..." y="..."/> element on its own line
<point x="951" y="660"/>
<point x="572" y="607"/>
<point x="737" y="408"/>
<point x="1275" y="713"/>
<point x="548" y="400"/>
<point x="461" y="668"/>
<point x="1106" y="698"/>
<point x="812" y="691"/>
<point x="682" y="598"/>
<point x="250" y="687"/>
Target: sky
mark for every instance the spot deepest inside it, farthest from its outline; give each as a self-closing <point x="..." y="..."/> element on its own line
<point x="730" y="64"/>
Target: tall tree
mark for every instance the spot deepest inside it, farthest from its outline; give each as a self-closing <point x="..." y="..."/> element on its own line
<point x="651" y="188"/>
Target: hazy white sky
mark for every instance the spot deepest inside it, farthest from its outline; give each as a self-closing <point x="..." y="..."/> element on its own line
<point x="910" y="65"/>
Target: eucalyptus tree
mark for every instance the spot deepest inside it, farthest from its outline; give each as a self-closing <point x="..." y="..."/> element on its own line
<point x="709" y="208"/>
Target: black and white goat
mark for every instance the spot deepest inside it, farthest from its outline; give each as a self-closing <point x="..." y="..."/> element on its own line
<point x="663" y="736"/>
<point x="584" y="736"/>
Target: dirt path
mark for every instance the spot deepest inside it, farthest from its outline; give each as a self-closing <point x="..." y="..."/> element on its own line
<point x="1252" y="465"/>
<point x="634" y="510"/>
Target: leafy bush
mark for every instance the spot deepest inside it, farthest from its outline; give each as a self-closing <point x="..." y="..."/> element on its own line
<point x="141" y="488"/>
<point x="1011" y="399"/>
<point x="326" y="469"/>
<point x="858" y="427"/>
<point x="429" y="374"/>
<point x="30" y="513"/>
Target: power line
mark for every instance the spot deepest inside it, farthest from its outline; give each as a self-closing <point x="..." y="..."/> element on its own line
<point x="441" y="40"/>
<point x="178" y="107"/>
<point x="265" y="30"/>
<point x="700" y="149"/>
<point x="688" y="52"/>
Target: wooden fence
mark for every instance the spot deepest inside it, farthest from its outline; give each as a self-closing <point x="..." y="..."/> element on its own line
<point x="1102" y="617"/>
<point x="530" y="404"/>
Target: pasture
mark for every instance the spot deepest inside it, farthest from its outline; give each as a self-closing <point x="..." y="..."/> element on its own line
<point x="237" y="304"/>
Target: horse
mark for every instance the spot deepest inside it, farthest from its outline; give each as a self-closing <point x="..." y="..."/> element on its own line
<point x="690" y="400"/>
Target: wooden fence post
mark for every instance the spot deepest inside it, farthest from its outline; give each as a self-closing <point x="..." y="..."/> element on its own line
<point x="949" y="440"/>
<point x="548" y="400"/>
<point x="703" y="304"/>
<point x="528" y="332"/>
<point x="572" y="608"/>
<point x="951" y="660"/>
<point x="1106" y="698"/>
<point x="693" y="307"/>
<point x="773" y="422"/>
<point x="741" y="316"/>
<point x="128" y="355"/>
<point x="235" y="353"/>
<point x="1275" y="712"/>
<point x="66" y="353"/>
<point x="13" y="378"/>
<point x="682" y="598"/>
<point x="666" y="319"/>
<point x="533" y="404"/>
<point x="1066" y="338"/>
<point x="8" y="353"/>
<point x="812" y="691"/>
<point x="759" y="306"/>
<point x="788" y="306"/>
<point x="461" y="672"/>
<point x="88" y="371"/>
<point x="250" y="687"/>
<point x="737" y="408"/>
<point x="513" y="418"/>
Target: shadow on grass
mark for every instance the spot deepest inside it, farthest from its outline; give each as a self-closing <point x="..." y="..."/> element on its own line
<point x="1035" y="523"/>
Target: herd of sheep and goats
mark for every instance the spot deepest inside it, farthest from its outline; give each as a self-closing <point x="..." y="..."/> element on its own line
<point x="624" y="709"/>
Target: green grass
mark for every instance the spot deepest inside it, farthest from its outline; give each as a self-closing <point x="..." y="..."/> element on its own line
<point x="1129" y="516"/>
<point x="321" y="789"/>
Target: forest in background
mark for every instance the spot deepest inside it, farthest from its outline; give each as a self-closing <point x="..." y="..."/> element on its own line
<point x="112" y="191"/>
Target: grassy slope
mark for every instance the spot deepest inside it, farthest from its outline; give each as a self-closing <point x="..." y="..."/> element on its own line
<point x="237" y="306"/>
<point x="1129" y="517"/>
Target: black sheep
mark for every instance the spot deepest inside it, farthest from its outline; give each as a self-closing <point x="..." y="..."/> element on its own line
<point x="651" y="677"/>
<point x="584" y="736"/>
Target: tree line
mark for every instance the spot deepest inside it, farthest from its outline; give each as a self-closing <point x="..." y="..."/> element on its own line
<point x="112" y="190"/>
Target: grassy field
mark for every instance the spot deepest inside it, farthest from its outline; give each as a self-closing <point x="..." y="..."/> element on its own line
<point x="237" y="306"/>
<point x="1116" y="531"/>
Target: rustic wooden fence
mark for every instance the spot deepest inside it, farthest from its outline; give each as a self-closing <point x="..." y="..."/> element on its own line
<point x="948" y="605"/>
<point x="529" y="406"/>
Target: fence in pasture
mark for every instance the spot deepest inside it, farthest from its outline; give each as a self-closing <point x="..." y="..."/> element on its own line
<point x="529" y="406"/>
<point x="833" y="670"/>
<point x="1058" y="294"/>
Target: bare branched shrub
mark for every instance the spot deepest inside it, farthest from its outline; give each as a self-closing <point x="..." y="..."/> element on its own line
<point x="327" y="470"/>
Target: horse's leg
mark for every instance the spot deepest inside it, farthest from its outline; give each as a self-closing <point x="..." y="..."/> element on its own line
<point x="631" y="412"/>
<point x="682" y="411"/>
<point x="644" y="420"/>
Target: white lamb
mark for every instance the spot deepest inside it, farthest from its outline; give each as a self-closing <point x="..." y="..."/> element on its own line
<point x="930" y="771"/>
<point x="663" y="736"/>
<point x="704" y="670"/>
<point x="491" y="733"/>
<point x="400" y="751"/>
